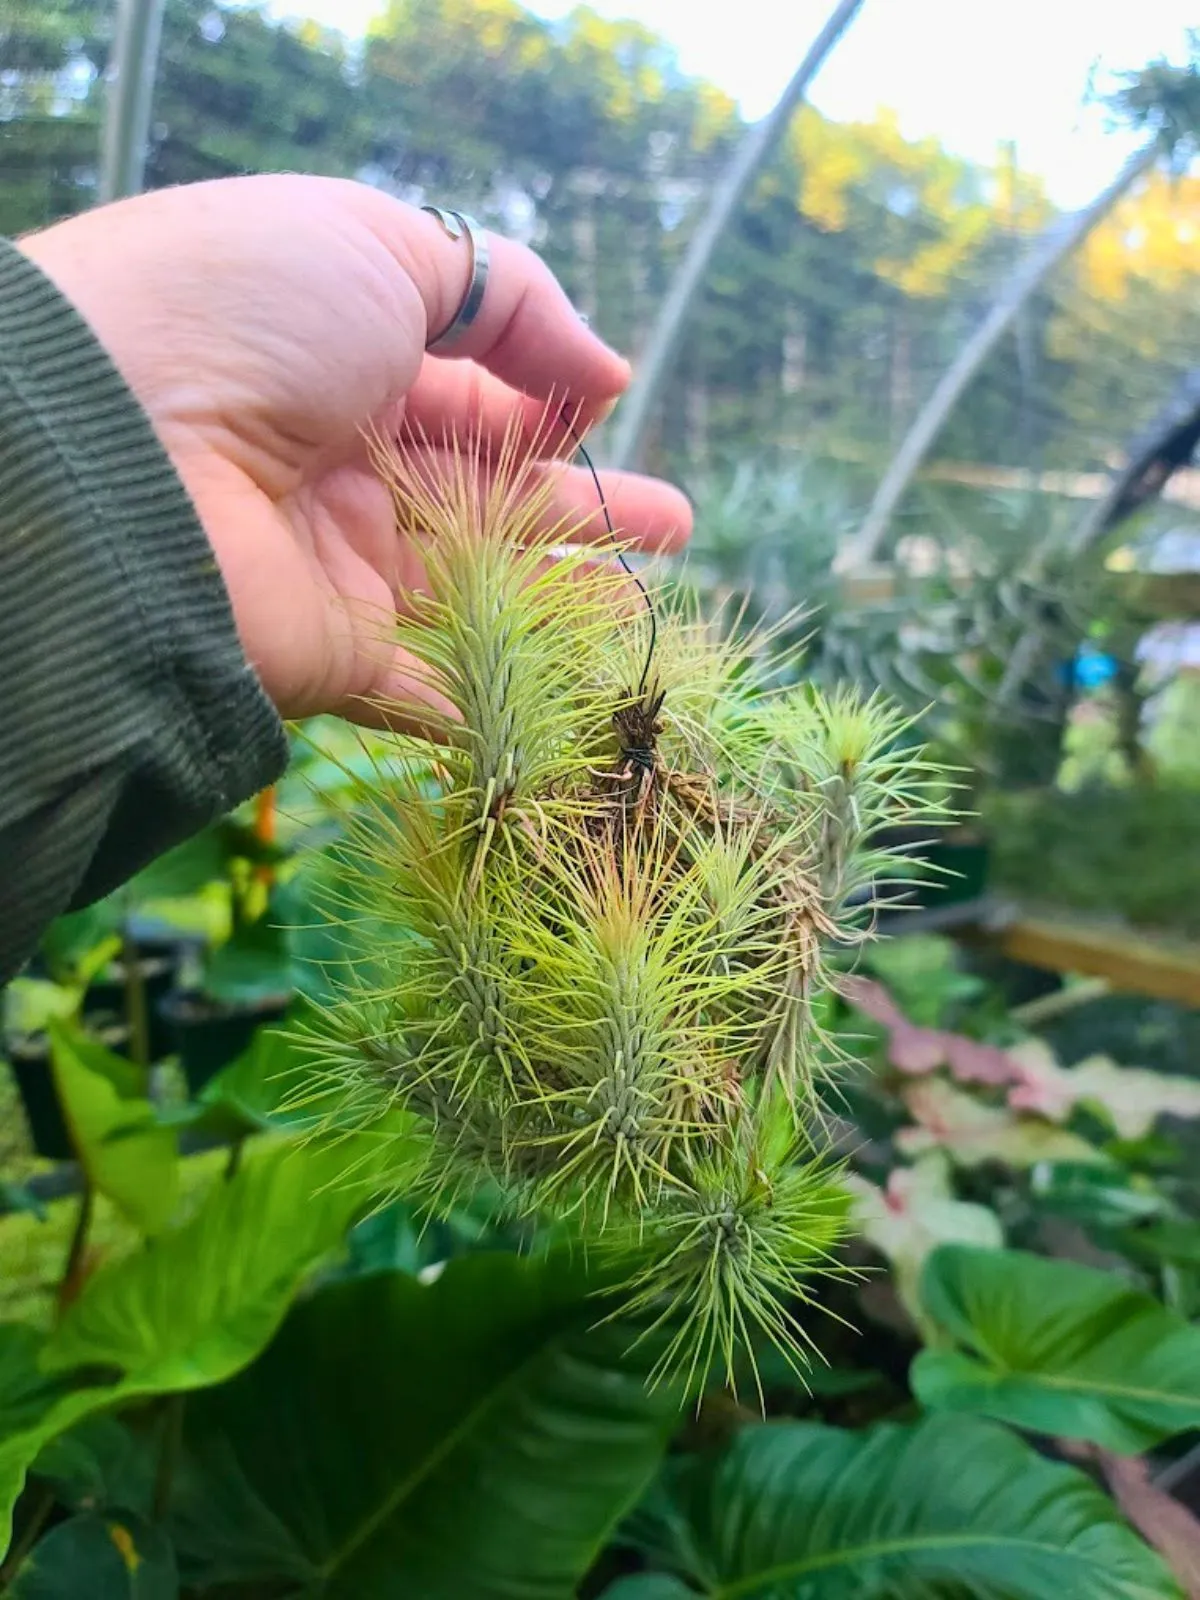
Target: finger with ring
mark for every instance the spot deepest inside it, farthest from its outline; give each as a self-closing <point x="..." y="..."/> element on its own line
<point x="459" y="226"/>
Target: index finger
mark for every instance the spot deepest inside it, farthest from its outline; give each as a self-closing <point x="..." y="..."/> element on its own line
<point x="458" y="398"/>
<point x="527" y="331"/>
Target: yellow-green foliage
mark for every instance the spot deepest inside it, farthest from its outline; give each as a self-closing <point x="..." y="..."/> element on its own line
<point x="612" y="902"/>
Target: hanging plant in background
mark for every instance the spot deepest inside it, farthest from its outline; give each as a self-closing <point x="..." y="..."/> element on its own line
<point x="613" y="906"/>
<point x="987" y="640"/>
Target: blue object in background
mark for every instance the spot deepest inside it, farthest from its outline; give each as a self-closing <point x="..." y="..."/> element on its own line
<point x="1090" y="670"/>
<point x="1093" y="668"/>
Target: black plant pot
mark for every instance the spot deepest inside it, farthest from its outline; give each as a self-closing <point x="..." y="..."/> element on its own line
<point x="208" y="1034"/>
<point x="30" y="1061"/>
<point x="107" y="998"/>
<point x="157" y="941"/>
<point x="154" y="937"/>
<point x="29" y="1055"/>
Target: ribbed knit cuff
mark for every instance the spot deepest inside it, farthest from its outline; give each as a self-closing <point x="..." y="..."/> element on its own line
<point x="120" y="666"/>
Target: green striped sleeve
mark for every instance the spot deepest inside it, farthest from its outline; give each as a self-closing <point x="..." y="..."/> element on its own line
<point x="129" y="716"/>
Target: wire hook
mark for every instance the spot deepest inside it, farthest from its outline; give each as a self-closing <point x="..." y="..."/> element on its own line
<point x="612" y="533"/>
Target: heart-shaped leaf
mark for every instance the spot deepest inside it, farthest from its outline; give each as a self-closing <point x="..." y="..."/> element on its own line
<point x="1131" y="1098"/>
<point x="100" y="1464"/>
<point x="476" y="1436"/>
<point x="914" y="1213"/>
<point x="954" y="1506"/>
<point x="972" y="1132"/>
<point x="191" y="1308"/>
<point x="202" y="1301"/>
<point x="125" y="1152"/>
<point x="1056" y="1347"/>
<point x="114" y="1557"/>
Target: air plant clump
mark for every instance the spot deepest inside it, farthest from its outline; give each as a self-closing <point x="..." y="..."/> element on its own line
<point x="618" y="879"/>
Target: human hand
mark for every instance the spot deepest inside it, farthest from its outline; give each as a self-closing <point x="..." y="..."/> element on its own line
<point x="266" y="325"/>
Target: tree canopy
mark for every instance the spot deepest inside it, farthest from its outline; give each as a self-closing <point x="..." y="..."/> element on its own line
<point x="840" y="293"/>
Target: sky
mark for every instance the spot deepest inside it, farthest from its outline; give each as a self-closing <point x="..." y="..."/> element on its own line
<point x="968" y="73"/>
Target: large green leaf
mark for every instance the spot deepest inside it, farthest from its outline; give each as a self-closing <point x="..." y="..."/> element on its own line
<point x="190" y="1309"/>
<point x="478" y="1436"/>
<point x="115" y="1557"/>
<point x="1102" y="1197"/>
<point x="650" y="1586"/>
<point x="1057" y="1348"/>
<point x="101" y="1464"/>
<point x="953" y="1507"/>
<point x="27" y="1396"/>
<point x="201" y="1302"/>
<point x="125" y="1152"/>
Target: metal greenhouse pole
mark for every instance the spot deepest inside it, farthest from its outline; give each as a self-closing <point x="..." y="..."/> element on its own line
<point x="632" y="421"/>
<point x="1054" y="246"/>
<point x="130" y="93"/>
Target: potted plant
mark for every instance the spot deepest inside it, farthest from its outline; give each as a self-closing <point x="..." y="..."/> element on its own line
<point x="73" y="951"/>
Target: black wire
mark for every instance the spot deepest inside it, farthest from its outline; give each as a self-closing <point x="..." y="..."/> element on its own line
<point x="612" y="533"/>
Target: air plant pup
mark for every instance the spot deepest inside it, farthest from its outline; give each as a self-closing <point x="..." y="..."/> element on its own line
<point x="617" y="894"/>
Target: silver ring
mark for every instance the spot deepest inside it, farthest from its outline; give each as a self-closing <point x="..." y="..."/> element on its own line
<point x="458" y="226"/>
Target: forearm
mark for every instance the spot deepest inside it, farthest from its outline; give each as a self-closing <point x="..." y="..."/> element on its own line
<point x="128" y="714"/>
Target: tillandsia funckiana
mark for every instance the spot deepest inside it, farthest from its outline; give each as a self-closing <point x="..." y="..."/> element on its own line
<point x="618" y="874"/>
